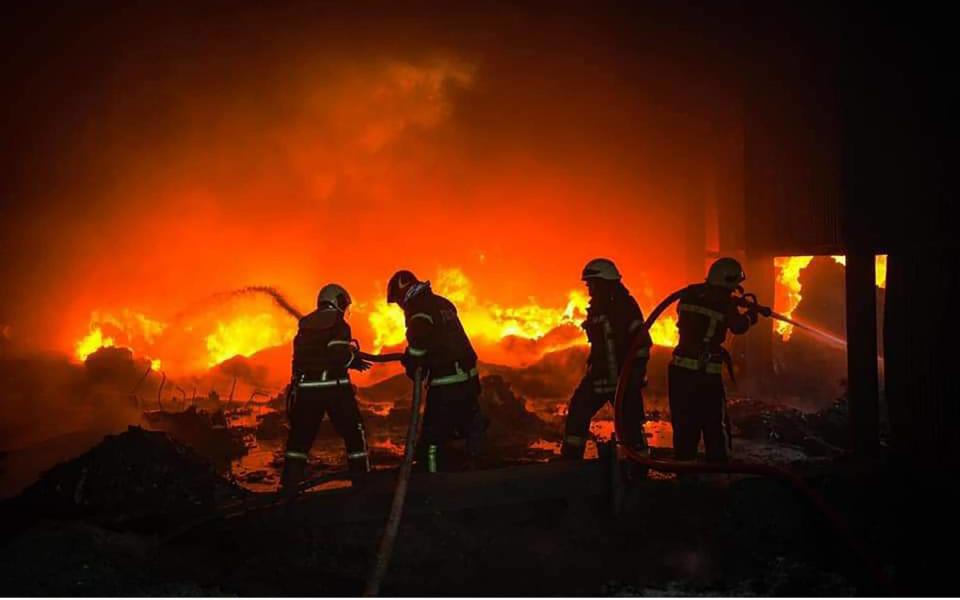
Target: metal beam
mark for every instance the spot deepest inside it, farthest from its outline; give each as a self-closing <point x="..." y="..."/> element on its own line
<point x="862" y="370"/>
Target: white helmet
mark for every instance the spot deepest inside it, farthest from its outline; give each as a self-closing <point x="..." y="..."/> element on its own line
<point x="334" y="295"/>
<point x="600" y="268"/>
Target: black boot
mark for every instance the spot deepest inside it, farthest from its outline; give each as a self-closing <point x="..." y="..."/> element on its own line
<point x="477" y="437"/>
<point x="293" y="472"/>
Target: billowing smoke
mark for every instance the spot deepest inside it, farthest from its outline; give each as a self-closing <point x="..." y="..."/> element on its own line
<point x="509" y="145"/>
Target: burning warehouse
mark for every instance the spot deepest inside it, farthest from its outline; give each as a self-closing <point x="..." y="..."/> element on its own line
<point x="224" y="223"/>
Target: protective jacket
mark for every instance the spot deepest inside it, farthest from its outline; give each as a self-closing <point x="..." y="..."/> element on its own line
<point x="610" y="327"/>
<point x="437" y="340"/>
<point x="706" y="313"/>
<point x="322" y="349"/>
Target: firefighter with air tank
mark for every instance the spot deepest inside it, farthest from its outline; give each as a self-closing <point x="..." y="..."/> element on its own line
<point x="323" y="354"/>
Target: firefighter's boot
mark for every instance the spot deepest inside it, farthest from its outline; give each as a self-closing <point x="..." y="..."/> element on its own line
<point x="636" y="470"/>
<point x="477" y="437"/>
<point x="294" y="468"/>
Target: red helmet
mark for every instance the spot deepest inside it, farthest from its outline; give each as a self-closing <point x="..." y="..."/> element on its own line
<point x="399" y="284"/>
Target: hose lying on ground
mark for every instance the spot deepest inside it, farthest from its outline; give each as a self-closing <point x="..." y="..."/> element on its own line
<point x="836" y="521"/>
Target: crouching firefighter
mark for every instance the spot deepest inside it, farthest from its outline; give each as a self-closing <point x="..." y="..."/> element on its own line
<point x="697" y="397"/>
<point x="323" y="352"/>
<point x="438" y="344"/>
<point x="613" y="318"/>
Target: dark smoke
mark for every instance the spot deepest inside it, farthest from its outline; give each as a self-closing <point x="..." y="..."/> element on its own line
<point x="53" y="409"/>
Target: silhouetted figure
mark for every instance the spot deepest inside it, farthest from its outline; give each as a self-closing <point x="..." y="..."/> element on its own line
<point x="695" y="376"/>
<point x="323" y="351"/>
<point x="613" y="318"/>
<point x="438" y="343"/>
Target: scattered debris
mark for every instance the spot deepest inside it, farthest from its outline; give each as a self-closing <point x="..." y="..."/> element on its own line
<point x="272" y="426"/>
<point x="821" y="433"/>
<point x="205" y="432"/>
<point x="128" y="476"/>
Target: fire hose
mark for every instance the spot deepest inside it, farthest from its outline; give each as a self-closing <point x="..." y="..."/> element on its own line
<point x="836" y="521"/>
<point x="385" y="551"/>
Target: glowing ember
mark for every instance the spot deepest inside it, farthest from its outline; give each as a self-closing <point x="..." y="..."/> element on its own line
<point x="245" y="336"/>
<point x="155" y="364"/>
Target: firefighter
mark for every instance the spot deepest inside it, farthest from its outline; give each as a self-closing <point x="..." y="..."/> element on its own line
<point x="323" y="352"/>
<point x="613" y="318"/>
<point x="697" y="398"/>
<point x="438" y="344"/>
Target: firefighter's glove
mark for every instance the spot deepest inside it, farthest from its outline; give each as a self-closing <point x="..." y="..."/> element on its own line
<point x="359" y="364"/>
<point x="753" y="316"/>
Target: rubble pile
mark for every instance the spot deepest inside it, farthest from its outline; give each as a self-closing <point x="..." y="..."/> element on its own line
<point x="128" y="476"/>
<point x="507" y="413"/>
<point x="820" y="433"/>
<point x="272" y="426"/>
<point x="205" y="432"/>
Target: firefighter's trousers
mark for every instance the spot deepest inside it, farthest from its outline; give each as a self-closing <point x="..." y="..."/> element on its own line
<point x="587" y="399"/>
<point x="452" y="410"/>
<point x="697" y="405"/>
<point x="311" y="405"/>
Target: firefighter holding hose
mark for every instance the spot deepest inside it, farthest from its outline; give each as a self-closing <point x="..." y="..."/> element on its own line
<point x="697" y="397"/>
<point x="438" y="344"/>
<point x="323" y="352"/>
<point x="613" y="318"/>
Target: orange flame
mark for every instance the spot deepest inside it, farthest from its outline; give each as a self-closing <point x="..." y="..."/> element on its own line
<point x="788" y="279"/>
<point x="491" y="323"/>
<point x="880" y="265"/>
<point x="664" y="332"/>
<point x="128" y="328"/>
<point x="789" y="287"/>
<point x="245" y="336"/>
<point x="92" y="342"/>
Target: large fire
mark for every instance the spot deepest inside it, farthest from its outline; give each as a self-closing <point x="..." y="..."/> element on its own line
<point x="491" y="323"/>
<point x="253" y="328"/>
<point x="551" y="326"/>
<point x="789" y="287"/>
